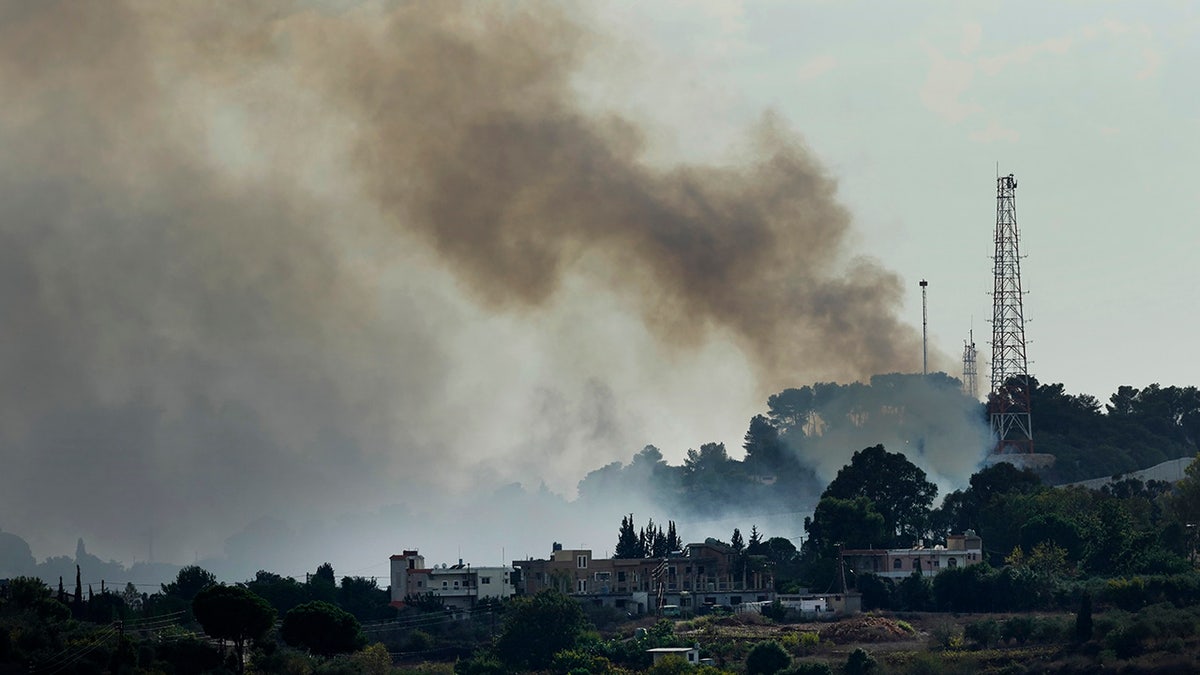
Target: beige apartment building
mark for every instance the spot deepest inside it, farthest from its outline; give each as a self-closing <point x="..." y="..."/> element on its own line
<point x="960" y="550"/>
<point x="704" y="574"/>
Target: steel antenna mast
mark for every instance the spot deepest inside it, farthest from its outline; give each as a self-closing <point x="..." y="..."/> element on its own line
<point x="1009" y="400"/>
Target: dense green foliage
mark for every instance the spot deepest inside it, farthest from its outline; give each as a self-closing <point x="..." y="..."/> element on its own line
<point x="767" y="658"/>
<point x="538" y="627"/>
<point x="322" y="628"/>
<point x="233" y="613"/>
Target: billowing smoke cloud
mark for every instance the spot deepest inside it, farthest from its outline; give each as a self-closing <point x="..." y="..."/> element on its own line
<point x="260" y="260"/>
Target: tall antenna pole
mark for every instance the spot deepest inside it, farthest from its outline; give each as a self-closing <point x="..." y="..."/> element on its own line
<point x="970" y="367"/>
<point x="924" y="330"/>
<point x="1008" y="403"/>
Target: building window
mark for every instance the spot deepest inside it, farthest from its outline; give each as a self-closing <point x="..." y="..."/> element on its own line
<point x="581" y="562"/>
<point x="445" y="584"/>
<point x="603" y="576"/>
<point x="485" y="580"/>
<point x="620" y="576"/>
<point x="581" y="586"/>
<point x="456" y="584"/>
<point x="953" y="562"/>
<point x="897" y="564"/>
<point x="420" y="584"/>
<point x="936" y="563"/>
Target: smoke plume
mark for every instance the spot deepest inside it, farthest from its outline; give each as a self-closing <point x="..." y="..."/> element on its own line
<point x="278" y="259"/>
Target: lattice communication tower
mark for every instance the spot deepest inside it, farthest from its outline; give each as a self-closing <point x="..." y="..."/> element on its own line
<point x="1008" y="402"/>
<point x="970" y="370"/>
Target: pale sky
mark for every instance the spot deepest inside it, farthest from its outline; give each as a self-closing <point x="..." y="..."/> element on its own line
<point x="911" y="106"/>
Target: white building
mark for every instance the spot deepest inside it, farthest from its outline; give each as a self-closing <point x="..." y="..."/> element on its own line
<point x="689" y="654"/>
<point x="457" y="586"/>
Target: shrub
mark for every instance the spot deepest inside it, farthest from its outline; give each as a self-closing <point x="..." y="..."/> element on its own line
<point x="767" y="658"/>
<point x="983" y="633"/>
<point x="481" y="663"/>
<point x="669" y="665"/>
<point x="945" y="636"/>
<point x="1018" y="628"/>
<point x="1048" y="630"/>
<point x="809" y="668"/>
<point x="574" y="660"/>
<point x="860" y="663"/>
<point x="418" y="641"/>
<point x="926" y="663"/>
<point x="1124" y="641"/>
<point x="809" y="642"/>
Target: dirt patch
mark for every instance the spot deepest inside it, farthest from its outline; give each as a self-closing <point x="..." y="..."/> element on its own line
<point x="867" y="629"/>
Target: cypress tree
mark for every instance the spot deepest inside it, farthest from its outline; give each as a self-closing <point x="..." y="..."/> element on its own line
<point x="1083" y="619"/>
<point x="674" y="543"/>
<point x="78" y="588"/>
<point x="628" y="544"/>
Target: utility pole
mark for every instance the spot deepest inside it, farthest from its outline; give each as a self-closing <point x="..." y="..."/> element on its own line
<point x="1009" y="400"/>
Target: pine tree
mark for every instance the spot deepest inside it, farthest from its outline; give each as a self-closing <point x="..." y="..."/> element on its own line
<point x="755" y="538"/>
<point x="628" y="545"/>
<point x="736" y="542"/>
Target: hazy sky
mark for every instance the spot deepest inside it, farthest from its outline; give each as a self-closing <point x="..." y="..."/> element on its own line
<point x="305" y="262"/>
<point x="913" y="105"/>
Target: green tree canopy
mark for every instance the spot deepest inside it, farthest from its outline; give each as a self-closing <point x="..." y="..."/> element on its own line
<point x="765" y="451"/>
<point x="896" y="487"/>
<point x="1184" y="500"/>
<point x="767" y="658"/>
<point x="190" y="581"/>
<point x="283" y="593"/>
<point x="538" y="627"/>
<point x="233" y="613"/>
<point x="852" y="522"/>
<point x="322" y="628"/>
<point x="362" y="597"/>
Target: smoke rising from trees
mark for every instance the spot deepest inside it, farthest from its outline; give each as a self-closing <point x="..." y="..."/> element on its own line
<point x="266" y="260"/>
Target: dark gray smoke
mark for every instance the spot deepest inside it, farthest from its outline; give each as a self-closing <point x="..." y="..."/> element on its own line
<point x="260" y="260"/>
